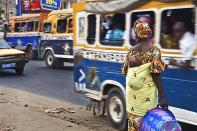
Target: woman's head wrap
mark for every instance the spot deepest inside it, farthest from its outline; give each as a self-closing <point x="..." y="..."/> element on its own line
<point x="142" y="28"/>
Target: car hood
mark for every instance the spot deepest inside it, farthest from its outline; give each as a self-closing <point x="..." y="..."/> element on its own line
<point x="8" y="52"/>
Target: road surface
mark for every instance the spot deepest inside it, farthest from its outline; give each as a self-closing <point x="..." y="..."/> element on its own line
<point x="53" y="83"/>
<point x="38" y="79"/>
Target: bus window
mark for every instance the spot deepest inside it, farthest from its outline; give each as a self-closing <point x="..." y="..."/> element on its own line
<point x="91" y="29"/>
<point x="23" y="27"/>
<point x="134" y="17"/>
<point x="112" y="29"/>
<point x="30" y="26"/>
<point x="169" y="19"/>
<point x="61" y="25"/>
<point x="36" y="26"/>
<point x="47" y="27"/>
<point x="17" y="27"/>
<point x="81" y="30"/>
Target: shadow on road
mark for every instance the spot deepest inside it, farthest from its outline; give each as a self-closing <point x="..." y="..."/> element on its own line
<point x="66" y="68"/>
<point x="7" y="74"/>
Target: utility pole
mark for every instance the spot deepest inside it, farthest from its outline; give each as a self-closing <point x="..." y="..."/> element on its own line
<point x="6" y="10"/>
<point x="6" y="15"/>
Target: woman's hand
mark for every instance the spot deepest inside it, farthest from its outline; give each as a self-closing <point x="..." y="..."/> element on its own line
<point x="164" y="102"/>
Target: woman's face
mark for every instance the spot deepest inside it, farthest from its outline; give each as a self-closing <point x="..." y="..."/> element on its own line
<point x="142" y="29"/>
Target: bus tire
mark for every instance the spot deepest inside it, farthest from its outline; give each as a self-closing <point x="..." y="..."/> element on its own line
<point x="30" y="53"/>
<point x="19" y="71"/>
<point x="50" y="59"/>
<point x="116" y="109"/>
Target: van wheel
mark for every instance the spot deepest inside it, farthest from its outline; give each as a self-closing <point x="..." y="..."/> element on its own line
<point x="19" y="71"/>
<point x="50" y="59"/>
<point x="116" y="109"/>
<point x="30" y="53"/>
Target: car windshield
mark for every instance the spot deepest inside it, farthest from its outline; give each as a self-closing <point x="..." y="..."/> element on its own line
<point x="4" y="44"/>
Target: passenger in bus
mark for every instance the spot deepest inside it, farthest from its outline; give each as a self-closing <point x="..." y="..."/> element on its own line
<point x="117" y="34"/>
<point x="107" y="22"/>
<point x="61" y="27"/>
<point x="117" y="31"/>
<point x="24" y="28"/>
<point x="106" y="26"/>
<point x="142" y="67"/>
<point x="187" y="45"/>
<point x="167" y="39"/>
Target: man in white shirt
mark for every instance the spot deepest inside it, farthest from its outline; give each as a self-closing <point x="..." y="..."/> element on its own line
<point x="187" y="45"/>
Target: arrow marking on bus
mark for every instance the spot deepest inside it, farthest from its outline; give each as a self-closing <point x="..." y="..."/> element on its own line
<point x="82" y="75"/>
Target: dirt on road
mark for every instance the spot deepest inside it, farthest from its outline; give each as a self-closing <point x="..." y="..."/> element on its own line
<point x="23" y="111"/>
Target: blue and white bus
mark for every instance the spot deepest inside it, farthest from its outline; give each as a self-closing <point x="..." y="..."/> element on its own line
<point x="25" y="33"/>
<point x="98" y="60"/>
<point x="57" y="39"/>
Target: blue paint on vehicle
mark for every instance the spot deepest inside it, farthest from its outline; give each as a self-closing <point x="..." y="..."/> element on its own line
<point x="58" y="46"/>
<point x="180" y="84"/>
<point x="23" y="41"/>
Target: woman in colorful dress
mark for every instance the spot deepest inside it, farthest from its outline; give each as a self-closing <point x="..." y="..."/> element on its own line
<point x="142" y="67"/>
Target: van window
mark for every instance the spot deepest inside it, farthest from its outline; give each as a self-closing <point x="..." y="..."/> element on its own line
<point x="30" y="26"/>
<point x="134" y="17"/>
<point x="47" y="27"/>
<point x="23" y="27"/>
<point x="17" y="27"/>
<point x="91" y="29"/>
<point x="61" y="26"/>
<point x="112" y="29"/>
<point x="169" y="37"/>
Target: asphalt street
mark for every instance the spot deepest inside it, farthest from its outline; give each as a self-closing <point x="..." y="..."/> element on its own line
<point x="38" y="79"/>
<point x="53" y="83"/>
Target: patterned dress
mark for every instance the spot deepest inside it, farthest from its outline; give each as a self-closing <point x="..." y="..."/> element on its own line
<point x="141" y="91"/>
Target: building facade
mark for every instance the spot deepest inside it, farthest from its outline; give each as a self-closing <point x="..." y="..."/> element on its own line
<point x="11" y="8"/>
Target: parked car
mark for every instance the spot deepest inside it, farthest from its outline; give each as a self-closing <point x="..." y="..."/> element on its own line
<point x="12" y="58"/>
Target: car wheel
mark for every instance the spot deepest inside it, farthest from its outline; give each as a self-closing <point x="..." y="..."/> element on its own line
<point x="116" y="109"/>
<point x="19" y="71"/>
<point x="50" y="59"/>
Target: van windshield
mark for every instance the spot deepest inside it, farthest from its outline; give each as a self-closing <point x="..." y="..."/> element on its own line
<point x="4" y="44"/>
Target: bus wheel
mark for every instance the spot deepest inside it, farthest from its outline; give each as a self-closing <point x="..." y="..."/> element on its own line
<point x="30" y="53"/>
<point x="50" y="59"/>
<point x="19" y="71"/>
<point x="116" y="108"/>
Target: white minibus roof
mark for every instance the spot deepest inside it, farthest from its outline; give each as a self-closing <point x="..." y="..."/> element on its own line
<point x="117" y="6"/>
